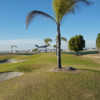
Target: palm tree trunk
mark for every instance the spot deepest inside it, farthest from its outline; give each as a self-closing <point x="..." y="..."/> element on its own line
<point x="59" y="47"/>
<point x="56" y="47"/>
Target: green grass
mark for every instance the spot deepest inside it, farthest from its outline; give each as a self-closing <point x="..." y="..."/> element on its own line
<point x="39" y="83"/>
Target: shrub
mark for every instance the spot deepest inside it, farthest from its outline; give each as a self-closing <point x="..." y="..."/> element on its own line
<point x="77" y="43"/>
<point x="98" y="42"/>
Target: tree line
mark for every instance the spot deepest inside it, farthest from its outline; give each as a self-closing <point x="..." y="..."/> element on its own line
<point x="76" y="43"/>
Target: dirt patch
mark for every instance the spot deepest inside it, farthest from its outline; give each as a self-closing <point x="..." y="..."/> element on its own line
<point x="94" y="57"/>
<point x="15" y="61"/>
<point x="65" y="69"/>
<point x="11" y="61"/>
<point x="9" y="75"/>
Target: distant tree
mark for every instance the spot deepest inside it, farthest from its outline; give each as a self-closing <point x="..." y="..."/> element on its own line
<point x="54" y="46"/>
<point x="47" y="41"/>
<point x="62" y="39"/>
<point x="35" y="50"/>
<point x="77" y="43"/>
<point x="98" y="42"/>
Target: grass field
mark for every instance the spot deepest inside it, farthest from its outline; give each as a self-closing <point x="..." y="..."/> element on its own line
<point x="38" y="83"/>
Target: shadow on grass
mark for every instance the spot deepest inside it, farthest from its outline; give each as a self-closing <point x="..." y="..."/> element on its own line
<point x="90" y="70"/>
<point x="3" y="61"/>
<point x="82" y="52"/>
<point x="24" y="68"/>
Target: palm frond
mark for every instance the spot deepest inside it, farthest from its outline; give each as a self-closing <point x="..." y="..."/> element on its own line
<point x="73" y="9"/>
<point x="34" y="13"/>
<point x="47" y="41"/>
<point x="63" y="7"/>
<point x="64" y="39"/>
<point x="84" y="1"/>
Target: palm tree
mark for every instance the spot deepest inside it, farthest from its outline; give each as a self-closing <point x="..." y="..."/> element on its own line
<point x="62" y="38"/>
<point x="61" y="8"/>
<point x="47" y="41"/>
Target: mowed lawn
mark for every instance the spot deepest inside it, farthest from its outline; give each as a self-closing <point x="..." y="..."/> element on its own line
<point x="40" y="83"/>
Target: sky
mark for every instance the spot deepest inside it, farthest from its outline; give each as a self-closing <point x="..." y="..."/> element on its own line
<point x="85" y="21"/>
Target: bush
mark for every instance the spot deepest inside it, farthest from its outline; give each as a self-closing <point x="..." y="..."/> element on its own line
<point x="77" y="43"/>
<point x="98" y="42"/>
